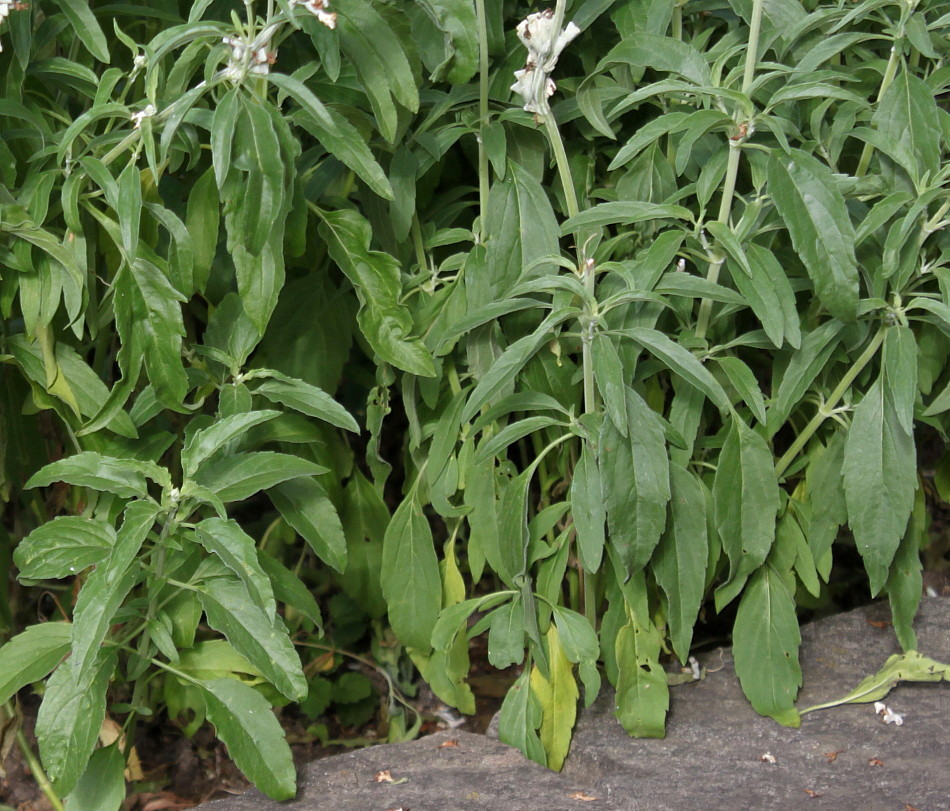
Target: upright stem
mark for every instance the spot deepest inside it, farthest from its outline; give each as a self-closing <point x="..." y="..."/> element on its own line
<point x="889" y="73"/>
<point x="732" y="167"/>
<point x="827" y="408"/>
<point x="482" y="24"/>
<point x="36" y="768"/>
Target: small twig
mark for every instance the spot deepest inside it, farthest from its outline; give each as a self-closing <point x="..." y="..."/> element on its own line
<point x="36" y="768"/>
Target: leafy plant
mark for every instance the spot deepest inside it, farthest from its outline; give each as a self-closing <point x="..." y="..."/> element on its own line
<point x="561" y="361"/>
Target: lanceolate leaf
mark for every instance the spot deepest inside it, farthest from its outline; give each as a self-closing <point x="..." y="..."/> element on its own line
<point x="636" y="482"/>
<point x="908" y="113"/>
<point x="63" y="547"/>
<point x="520" y="718"/>
<point x="106" y="589"/>
<point x="243" y="720"/>
<point x="305" y="505"/>
<point x="643" y="696"/>
<point x="746" y="495"/>
<point x="557" y="694"/>
<point x="814" y="212"/>
<point x="765" y="640"/>
<point x="879" y="481"/>
<point x="237" y="550"/>
<point x="31" y="655"/>
<point x="383" y="318"/>
<point x="238" y="477"/>
<point x="410" y="576"/>
<point x="307" y="399"/>
<point x="587" y="509"/>
<point x="69" y="720"/>
<point x="86" y="26"/>
<point x="205" y="442"/>
<point x="900" y="373"/>
<point x="259" y="637"/>
<point x="681" y="361"/>
<point x="679" y="562"/>
<point x="92" y="470"/>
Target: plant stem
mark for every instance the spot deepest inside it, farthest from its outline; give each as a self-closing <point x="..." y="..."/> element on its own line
<point x="732" y="167"/>
<point x="827" y="408"/>
<point x="482" y="24"/>
<point x="36" y="768"/>
<point x="889" y="73"/>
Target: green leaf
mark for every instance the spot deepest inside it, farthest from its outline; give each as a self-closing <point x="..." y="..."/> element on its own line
<point x="150" y="308"/>
<point x="383" y="318"/>
<point x="203" y="443"/>
<point x="661" y="54"/>
<point x="31" y="655"/>
<point x="900" y="373"/>
<point x="410" y="576"/>
<point x="105" y="590"/>
<point x="588" y="510"/>
<point x="290" y="589"/>
<point x="238" y="477"/>
<point x="506" y="642"/>
<point x="305" y="505"/>
<point x="802" y="371"/>
<point x="576" y="637"/>
<point x="87" y="28"/>
<point x="643" y="696"/>
<point x="681" y="361"/>
<point x="608" y="374"/>
<point x="520" y="718"/>
<point x="102" y="786"/>
<point x="769" y="293"/>
<point x="202" y="218"/>
<point x="908" y="113"/>
<point x="89" y="469"/>
<point x="223" y="127"/>
<point x="509" y="363"/>
<point x="455" y="19"/>
<point x="557" y="694"/>
<point x="129" y="208"/>
<point x="623" y="212"/>
<point x="635" y="476"/>
<point x="765" y="641"/>
<point x="744" y="382"/>
<point x="307" y="399"/>
<point x="63" y="547"/>
<point x="679" y="562"/>
<point x="879" y="481"/>
<point x="909" y="666"/>
<point x="259" y="637"/>
<point x="243" y="720"/>
<point x="905" y="585"/>
<point x="815" y="214"/>
<point x="825" y="490"/>
<point x="238" y="551"/>
<point x="746" y="496"/>
<point x="69" y="720"/>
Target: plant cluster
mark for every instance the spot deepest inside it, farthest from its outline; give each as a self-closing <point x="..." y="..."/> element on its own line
<point x="554" y="325"/>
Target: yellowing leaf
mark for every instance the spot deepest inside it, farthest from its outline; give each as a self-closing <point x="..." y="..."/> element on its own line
<point x="558" y="698"/>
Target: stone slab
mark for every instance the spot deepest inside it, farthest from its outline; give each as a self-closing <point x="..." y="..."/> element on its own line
<point x="448" y="771"/>
<point x="843" y="758"/>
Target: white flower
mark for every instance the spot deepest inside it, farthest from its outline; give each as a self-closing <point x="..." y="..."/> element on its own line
<point x="139" y="117"/>
<point x="538" y="33"/>
<point x="239" y="65"/>
<point x="889" y="716"/>
<point x="319" y="9"/>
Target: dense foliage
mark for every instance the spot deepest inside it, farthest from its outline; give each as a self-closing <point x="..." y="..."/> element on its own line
<point x="553" y="325"/>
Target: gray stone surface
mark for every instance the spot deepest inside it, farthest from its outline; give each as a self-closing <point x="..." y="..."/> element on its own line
<point x="843" y="758"/>
<point x="711" y="756"/>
